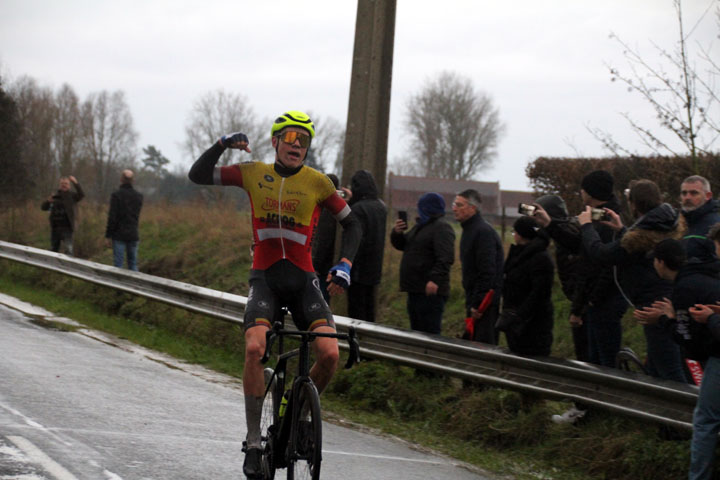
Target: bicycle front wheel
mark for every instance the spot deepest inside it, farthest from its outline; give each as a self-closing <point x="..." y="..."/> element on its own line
<point x="268" y="425"/>
<point x="305" y="444"/>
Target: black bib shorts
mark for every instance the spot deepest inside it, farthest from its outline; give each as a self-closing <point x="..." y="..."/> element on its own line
<point x="285" y="285"/>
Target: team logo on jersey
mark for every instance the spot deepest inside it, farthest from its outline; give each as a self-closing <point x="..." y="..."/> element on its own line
<point x="315" y="307"/>
<point x="268" y="178"/>
<point x="272" y="204"/>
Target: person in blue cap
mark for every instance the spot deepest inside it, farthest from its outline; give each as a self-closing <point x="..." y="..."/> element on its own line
<point x="428" y="253"/>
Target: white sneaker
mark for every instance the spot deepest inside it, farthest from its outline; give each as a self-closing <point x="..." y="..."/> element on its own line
<point x="570" y="416"/>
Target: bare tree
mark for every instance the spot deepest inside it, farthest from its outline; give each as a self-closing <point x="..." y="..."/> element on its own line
<point x="327" y="146"/>
<point x="404" y="165"/>
<point x="453" y="128"/>
<point x="109" y="140"/>
<point x="684" y="96"/>
<point x="66" y="136"/>
<point x="218" y="113"/>
<point x="15" y="180"/>
<point x="36" y="112"/>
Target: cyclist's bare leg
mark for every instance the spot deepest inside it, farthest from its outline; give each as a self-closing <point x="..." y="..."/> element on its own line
<point x="326" y="359"/>
<point x="254" y="381"/>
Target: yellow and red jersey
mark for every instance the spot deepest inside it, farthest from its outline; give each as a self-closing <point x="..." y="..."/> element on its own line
<point x="285" y="210"/>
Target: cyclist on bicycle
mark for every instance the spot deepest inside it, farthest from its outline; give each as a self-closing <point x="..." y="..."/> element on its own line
<point x="286" y="198"/>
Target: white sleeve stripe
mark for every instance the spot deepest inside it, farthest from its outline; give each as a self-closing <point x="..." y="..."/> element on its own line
<point x="217" y="176"/>
<point x="342" y="213"/>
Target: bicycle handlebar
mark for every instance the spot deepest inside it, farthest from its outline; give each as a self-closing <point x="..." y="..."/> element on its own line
<point x="307" y="336"/>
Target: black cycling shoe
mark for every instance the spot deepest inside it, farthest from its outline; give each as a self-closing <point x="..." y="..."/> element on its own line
<point x="252" y="467"/>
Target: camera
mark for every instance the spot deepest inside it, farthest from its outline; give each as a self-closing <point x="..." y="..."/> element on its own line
<point x="598" y="214"/>
<point x="525" y="209"/>
<point x="341" y="193"/>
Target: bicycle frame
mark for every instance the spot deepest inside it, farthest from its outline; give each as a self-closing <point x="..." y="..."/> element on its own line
<point x="284" y="431"/>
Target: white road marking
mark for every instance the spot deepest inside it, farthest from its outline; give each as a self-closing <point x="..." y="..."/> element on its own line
<point x="28" y="421"/>
<point x="32" y="423"/>
<point x="38" y="457"/>
<point x="111" y="475"/>
<point x="388" y="457"/>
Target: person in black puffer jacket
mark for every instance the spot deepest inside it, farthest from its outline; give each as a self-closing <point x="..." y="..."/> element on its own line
<point x="639" y="282"/>
<point x="428" y="253"/>
<point x="367" y="267"/>
<point x="527" y="316"/>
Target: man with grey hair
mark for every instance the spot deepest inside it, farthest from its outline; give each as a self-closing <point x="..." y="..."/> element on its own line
<point x="122" y="224"/>
<point x="701" y="212"/>
<point x="482" y="257"/>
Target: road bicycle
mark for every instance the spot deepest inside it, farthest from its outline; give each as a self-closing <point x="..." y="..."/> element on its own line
<point x="291" y="420"/>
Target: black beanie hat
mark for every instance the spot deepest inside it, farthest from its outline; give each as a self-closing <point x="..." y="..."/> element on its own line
<point x="598" y="184"/>
<point x="527" y="227"/>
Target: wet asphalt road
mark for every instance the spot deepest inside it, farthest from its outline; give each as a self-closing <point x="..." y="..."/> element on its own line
<point x="83" y="405"/>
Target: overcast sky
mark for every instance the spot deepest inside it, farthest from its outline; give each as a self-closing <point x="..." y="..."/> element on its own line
<point x="542" y="62"/>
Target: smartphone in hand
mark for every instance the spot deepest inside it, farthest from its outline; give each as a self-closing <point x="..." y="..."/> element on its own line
<point x="402" y="215"/>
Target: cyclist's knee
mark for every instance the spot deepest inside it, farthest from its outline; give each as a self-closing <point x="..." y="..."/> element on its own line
<point x="255" y="343"/>
<point x="327" y="353"/>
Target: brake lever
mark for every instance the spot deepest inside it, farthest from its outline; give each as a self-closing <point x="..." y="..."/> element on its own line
<point x="270" y="337"/>
<point x="354" y="348"/>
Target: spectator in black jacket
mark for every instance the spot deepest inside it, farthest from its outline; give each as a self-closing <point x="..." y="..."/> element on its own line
<point x="481" y="256"/>
<point x="428" y="253"/>
<point x="63" y="213"/>
<point x="527" y="316"/>
<point x="323" y="245"/>
<point x="122" y="223"/>
<point x="367" y="267"/>
<point x="637" y="277"/>
<point x="701" y="213"/>
<point x="690" y="315"/>
<point x="598" y="301"/>
<point x="553" y="215"/>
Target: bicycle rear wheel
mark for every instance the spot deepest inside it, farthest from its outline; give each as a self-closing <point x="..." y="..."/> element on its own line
<point x="268" y="425"/>
<point x="305" y="444"/>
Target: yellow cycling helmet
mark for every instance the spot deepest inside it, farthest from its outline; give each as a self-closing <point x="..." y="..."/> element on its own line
<point x="293" y="118"/>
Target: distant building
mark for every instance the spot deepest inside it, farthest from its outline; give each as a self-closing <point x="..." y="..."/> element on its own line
<point x="403" y="193"/>
<point x="510" y="199"/>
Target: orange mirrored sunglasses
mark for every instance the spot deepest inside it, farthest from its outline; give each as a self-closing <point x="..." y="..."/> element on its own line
<point x="290" y="137"/>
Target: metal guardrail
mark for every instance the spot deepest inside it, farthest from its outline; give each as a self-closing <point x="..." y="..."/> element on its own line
<point x="627" y="393"/>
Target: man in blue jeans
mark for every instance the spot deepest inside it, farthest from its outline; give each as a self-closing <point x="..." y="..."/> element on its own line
<point x="122" y="224"/>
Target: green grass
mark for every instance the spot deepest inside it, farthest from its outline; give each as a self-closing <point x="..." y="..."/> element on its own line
<point x="501" y="431"/>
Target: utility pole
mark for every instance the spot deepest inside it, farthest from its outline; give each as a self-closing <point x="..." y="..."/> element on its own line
<point x="368" y="120"/>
